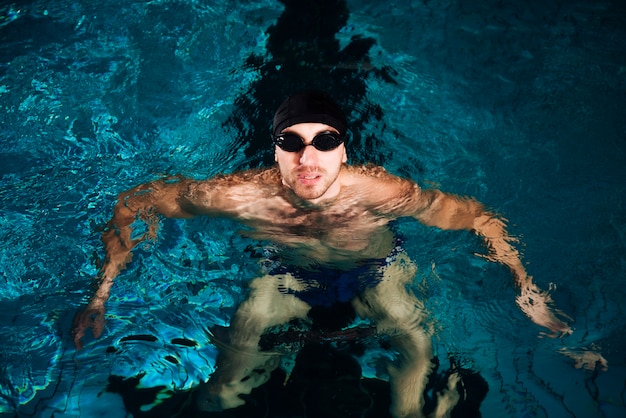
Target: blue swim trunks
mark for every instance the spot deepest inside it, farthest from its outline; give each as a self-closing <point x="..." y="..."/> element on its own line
<point x="324" y="286"/>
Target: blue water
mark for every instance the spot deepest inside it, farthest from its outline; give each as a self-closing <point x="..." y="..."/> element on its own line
<point x="519" y="103"/>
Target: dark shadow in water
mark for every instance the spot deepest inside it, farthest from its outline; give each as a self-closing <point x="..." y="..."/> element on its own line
<point x="326" y="380"/>
<point x="303" y="53"/>
<point x="30" y="34"/>
<point x="325" y="383"/>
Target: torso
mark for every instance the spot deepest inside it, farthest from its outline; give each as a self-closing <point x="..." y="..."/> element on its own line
<point x="328" y="235"/>
<point x="340" y="231"/>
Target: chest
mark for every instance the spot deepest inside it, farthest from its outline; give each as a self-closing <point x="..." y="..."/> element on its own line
<point x="320" y="231"/>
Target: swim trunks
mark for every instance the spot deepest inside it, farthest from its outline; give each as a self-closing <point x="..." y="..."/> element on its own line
<point x="324" y="286"/>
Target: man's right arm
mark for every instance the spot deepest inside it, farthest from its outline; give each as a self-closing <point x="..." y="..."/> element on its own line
<point x="172" y="198"/>
<point x="168" y="198"/>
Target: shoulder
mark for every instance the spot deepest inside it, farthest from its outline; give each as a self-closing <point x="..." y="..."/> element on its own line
<point x="225" y="191"/>
<point x="255" y="176"/>
<point x="373" y="175"/>
<point x="248" y="180"/>
<point x="380" y="190"/>
<point x="366" y="170"/>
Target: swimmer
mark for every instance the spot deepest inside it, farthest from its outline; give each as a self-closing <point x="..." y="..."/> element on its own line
<point x="322" y="216"/>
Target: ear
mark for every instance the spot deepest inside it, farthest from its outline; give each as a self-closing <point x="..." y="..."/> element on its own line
<point x="345" y="156"/>
<point x="275" y="157"/>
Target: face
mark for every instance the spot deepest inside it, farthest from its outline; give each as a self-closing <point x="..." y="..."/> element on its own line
<point x="311" y="174"/>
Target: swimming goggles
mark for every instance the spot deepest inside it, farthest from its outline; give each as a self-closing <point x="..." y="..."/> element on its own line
<point x="325" y="141"/>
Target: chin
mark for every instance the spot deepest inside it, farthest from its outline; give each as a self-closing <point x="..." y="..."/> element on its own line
<point x="308" y="194"/>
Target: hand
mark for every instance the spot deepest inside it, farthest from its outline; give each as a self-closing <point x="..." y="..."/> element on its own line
<point x="91" y="317"/>
<point x="536" y="304"/>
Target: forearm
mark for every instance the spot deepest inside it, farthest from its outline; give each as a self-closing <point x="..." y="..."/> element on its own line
<point x="139" y="204"/>
<point x="534" y="302"/>
<point x="171" y="198"/>
<point x="500" y="244"/>
<point x="118" y="245"/>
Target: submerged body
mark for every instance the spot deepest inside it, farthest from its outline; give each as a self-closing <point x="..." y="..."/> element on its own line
<point x="323" y="213"/>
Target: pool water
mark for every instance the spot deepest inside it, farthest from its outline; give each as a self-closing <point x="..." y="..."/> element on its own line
<point x="519" y="103"/>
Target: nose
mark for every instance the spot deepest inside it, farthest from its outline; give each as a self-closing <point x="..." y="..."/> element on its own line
<point x="308" y="155"/>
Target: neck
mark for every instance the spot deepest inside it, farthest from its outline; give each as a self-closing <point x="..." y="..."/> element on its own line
<point x="302" y="203"/>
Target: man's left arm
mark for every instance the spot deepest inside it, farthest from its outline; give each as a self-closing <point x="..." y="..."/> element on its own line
<point x="447" y="211"/>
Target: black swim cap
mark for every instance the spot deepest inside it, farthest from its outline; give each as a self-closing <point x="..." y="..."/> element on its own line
<point x="309" y="106"/>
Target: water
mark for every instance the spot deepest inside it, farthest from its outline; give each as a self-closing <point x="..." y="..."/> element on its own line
<point x="520" y="104"/>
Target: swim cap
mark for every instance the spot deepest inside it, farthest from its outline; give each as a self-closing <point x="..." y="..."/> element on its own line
<point x="309" y="106"/>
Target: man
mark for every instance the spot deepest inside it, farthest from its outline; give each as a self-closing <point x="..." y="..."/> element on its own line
<point x="329" y="225"/>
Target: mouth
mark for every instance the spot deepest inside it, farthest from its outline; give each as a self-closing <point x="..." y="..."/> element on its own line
<point x="308" y="178"/>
